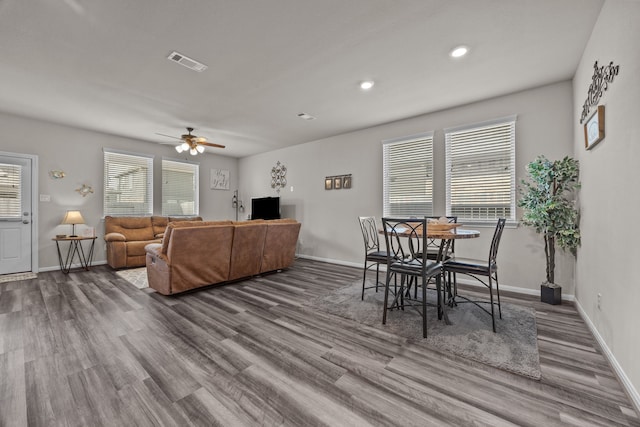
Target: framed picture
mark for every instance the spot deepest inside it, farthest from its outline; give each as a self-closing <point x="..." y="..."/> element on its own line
<point x="219" y="179"/>
<point x="594" y="128"/>
<point x="346" y="181"/>
<point x="328" y="183"/>
<point x="337" y="182"/>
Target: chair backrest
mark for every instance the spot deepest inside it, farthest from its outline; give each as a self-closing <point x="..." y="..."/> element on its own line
<point x="406" y="240"/>
<point x="369" y="233"/>
<point x="495" y="242"/>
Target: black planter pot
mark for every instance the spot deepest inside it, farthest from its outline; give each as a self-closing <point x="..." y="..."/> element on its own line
<point x="551" y="294"/>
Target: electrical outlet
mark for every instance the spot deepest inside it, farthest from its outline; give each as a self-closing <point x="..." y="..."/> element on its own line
<point x="599" y="300"/>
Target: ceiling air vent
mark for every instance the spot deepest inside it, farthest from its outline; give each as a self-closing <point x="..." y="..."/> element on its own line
<point x="187" y="62"/>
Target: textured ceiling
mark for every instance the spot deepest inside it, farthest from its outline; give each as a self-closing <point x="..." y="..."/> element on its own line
<point x="101" y="65"/>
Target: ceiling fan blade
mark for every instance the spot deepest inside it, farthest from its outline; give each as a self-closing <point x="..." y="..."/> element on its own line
<point x="168" y="136"/>
<point x="211" y="144"/>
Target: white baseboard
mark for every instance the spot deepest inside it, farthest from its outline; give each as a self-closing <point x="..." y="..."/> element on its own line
<point x="77" y="265"/>
<point x="331" y="261"/>
<point x="624" y="379"/>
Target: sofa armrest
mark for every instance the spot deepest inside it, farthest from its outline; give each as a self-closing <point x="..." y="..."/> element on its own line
<point x="115" y="237"/>
<point x="154" y="252"/>
<point x="153" y="249"/>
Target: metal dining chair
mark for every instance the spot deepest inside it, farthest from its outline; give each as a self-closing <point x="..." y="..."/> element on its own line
<point x="435" y="248"/>
<point x="373" y="256"/>
<point x="406" y="241"/>
<point x="478" y="269"/>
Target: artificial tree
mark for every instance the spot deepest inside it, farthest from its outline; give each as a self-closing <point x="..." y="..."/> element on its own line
<point x="549" y="207"/>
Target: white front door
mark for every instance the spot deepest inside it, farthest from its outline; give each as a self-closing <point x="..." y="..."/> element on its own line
<point x="15" y="214"/>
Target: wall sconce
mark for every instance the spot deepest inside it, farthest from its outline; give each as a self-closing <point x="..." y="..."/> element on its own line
<point x="237" y="203"/>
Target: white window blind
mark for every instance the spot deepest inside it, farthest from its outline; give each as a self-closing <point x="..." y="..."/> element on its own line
<point x="480" y="170"/>
<point x="180" y="189"/>
<point x="408" y="176"/>
<point x="128" y="183"/>
<point x="10" y="191"/>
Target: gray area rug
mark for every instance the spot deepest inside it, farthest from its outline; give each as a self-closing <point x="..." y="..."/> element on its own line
<point x="514" y="347"/>
<point x="136" y="276"/>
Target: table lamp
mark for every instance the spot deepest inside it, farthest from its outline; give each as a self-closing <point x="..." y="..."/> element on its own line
<point x="73" y="218"/>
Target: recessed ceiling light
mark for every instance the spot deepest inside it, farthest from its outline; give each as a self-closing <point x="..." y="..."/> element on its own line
<point x="367" y="84"/>
<point x="459" y="51"/>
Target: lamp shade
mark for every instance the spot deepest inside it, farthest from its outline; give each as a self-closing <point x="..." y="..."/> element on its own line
<point x="73" y="217"/>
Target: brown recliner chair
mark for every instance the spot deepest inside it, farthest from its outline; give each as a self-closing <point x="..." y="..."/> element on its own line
<point x="127" y="236"/>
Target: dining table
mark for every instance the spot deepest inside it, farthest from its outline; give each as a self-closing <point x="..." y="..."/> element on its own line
<point x="446" y="237"/>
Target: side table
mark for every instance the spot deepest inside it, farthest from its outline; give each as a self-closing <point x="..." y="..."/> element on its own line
<point x="74" y="250"/>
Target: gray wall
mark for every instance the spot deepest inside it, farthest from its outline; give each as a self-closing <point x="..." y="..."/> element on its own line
<point x="610" y="180"/>
<point x="79" y="153"/>
<point x="330" y="228"/>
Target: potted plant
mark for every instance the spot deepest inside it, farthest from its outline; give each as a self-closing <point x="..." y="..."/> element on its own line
<point x="549" y="207"/>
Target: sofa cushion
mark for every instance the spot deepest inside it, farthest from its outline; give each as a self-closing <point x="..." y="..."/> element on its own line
<point x="160" y="222"/>
<point x="246" y="251"/>
<point x="182" y="224"/>
<point x="132" y="228"/>
<point x="136" y="248"/>
<point x="279" y="245"/>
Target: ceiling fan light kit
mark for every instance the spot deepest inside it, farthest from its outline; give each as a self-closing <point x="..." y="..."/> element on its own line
<point x="192" y="143"/>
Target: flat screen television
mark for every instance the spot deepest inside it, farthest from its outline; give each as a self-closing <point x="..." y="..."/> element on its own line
<point x="265" y="208"/>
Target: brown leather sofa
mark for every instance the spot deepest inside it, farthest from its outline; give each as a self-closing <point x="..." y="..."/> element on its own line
<point x="196" y="254"/>
<point x="126" y="237"/>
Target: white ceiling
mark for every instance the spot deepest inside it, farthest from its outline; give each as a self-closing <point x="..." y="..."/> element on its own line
<point x="101" y="65"/>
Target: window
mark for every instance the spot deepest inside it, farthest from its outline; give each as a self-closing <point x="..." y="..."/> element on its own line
<point x="408" y="176"/>
<point x="10" y="192"/>
<point x="179" y="188"/>
<point x="480" y="173"/>
<point x="128" y="183"/>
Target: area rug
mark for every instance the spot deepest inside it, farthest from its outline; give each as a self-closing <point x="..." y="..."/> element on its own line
<point x="470" y="335"/>
<point x="17" y="276"/>
<point x="136" y="276"/>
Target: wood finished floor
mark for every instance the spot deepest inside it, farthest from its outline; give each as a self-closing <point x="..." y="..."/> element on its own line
<point x="89" y="349"/>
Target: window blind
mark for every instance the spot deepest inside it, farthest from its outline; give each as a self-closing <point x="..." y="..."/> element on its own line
<point x="180" y="189"/>
<point x="480" y="171"/>
<point x="128" y="183"/>
<point x="10" y="191"/>
<point x="408" y="176"/>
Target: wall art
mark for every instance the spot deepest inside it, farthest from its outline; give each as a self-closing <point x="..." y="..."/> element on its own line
<point x="278" y="176"/>
<point x="338" y="182"/>
<point x="328" y="183"/>
<point x="594" y="128"/>
<point x="85" y="190"/>
<point x="600" y="80"/>
<point x="56" y="174"/>
<point x="219" y="179"/>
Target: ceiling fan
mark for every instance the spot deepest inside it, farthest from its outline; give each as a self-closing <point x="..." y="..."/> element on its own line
<point x="195" y="144"/>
